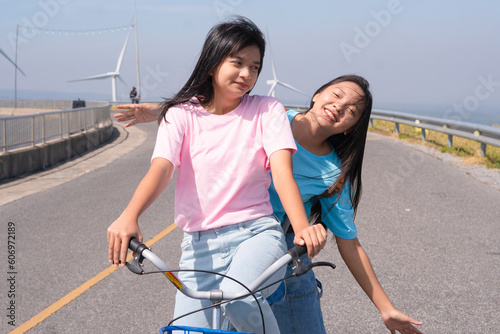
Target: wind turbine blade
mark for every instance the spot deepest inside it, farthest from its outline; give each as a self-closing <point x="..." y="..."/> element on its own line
<point x="273" y="87"/>
<point x="15" y="65"/>
<point x="96" y="77"/>
<point x="292" y="88"/>
<point x="120" y="58"/>
<point x="271" y="52"/>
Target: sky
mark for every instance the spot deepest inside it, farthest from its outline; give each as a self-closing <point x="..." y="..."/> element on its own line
<point x="428" y="56"/>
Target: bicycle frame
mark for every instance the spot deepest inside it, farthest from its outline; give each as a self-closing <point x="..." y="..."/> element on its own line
<point x="217" y="296"/>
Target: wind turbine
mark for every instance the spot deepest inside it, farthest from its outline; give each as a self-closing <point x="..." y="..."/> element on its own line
<point x="112" y="75"/>
<point x="274" y="82"/>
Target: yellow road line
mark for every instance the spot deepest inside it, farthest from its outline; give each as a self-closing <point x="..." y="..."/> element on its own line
<point x="23" y="328"/>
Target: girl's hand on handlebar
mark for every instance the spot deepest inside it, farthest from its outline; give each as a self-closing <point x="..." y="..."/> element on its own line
<point x="138" y="113"/>
<point x="119" y="234"/>
<point x="313" y="237"/>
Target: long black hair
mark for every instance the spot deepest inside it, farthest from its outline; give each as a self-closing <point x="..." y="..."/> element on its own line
<point x="222" y="41"/>
<point x="349" y="147"/>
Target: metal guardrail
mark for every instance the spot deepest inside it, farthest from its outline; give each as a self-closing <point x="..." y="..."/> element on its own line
<point x="30" y="130"/>
<point x="48" y="104"/>
<point x="486" y="135"/>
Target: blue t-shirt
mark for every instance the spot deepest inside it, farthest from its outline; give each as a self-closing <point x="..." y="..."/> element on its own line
<point x="314" y="174"/>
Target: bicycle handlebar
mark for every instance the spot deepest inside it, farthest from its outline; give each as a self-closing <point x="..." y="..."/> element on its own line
<point x="143" y="252"/>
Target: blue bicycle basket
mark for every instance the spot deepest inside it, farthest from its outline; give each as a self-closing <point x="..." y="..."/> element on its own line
<point x="193" y="330"/>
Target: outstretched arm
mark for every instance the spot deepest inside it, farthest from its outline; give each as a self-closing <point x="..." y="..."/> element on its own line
<point x="314" y="237"/>
<point x="138" y="113"/>
<point x="358" y="263"/>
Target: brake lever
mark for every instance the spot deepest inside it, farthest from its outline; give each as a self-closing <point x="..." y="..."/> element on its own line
<point x="322" y="264"/>
<point x="135" y="265"/>
<point x="299" y="268"/>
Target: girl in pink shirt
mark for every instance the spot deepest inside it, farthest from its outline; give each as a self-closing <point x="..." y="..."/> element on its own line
<point x="224" y="143"/>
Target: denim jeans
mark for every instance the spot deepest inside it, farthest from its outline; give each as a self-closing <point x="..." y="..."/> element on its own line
<point x="242" y="251"/>
<point x="299" y="310"/>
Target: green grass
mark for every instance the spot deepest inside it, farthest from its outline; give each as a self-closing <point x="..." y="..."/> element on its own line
<point x="467" y="149"/>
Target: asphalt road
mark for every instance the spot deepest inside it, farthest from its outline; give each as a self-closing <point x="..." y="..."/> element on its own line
<point x="431" y="230"/>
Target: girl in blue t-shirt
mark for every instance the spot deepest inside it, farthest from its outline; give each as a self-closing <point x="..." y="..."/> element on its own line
<point x="330" y="140"/>
<point x="327" y="166"/>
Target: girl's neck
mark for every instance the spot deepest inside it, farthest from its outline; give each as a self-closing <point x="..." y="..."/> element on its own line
<point x="221" y="106"/>
<point x="309" y="136"/>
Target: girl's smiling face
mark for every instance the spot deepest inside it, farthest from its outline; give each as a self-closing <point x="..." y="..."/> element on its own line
<point x="338" y="107"/>
<point x="237" y="74"/>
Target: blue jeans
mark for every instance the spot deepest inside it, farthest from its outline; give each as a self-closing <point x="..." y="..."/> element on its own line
<point x="242" y="251"/>
<point x="299" y="310"/>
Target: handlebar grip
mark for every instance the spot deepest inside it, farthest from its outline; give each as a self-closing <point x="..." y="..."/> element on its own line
<point x="135" y="244"/>
<point x="298" y="250"/>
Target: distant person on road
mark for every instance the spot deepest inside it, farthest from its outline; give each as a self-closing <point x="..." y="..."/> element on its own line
<point x="224" y="143"/>
<point x="330" y="139"/>
<point x="133" y="96"/>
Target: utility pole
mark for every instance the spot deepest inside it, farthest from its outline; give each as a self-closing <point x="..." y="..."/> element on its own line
<point x="15" y="69"/>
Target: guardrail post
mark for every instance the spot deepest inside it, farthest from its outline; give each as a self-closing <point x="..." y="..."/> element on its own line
<point x="450" y="140"/>
<point x="69" y="116"/>
<point x="32" y="130"/>
<point x="80" y="120"/>
<point x="423" y="133"/>
<point x="483" y="149"/>
<point x="4" y="136"/>
<point x="397" y="128"/>
<point x="61" y="124"/>
<point x="43" y="129"/>
<point x="371" y="123"/>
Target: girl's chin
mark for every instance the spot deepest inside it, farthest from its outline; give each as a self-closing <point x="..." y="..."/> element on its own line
<point x="325" y="118"/>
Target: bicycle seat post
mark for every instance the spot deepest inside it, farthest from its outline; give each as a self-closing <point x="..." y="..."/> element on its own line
<point x="216" y="297"/>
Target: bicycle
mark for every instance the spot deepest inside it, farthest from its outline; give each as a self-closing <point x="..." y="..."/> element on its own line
<point x="217" y="297"/>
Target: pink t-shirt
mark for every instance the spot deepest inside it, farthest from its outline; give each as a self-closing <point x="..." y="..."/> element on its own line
<point x="223" y="160"/>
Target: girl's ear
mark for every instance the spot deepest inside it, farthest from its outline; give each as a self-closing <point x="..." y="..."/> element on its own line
<point x="315" y="97"/>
